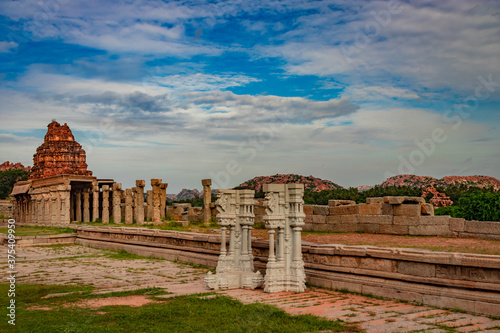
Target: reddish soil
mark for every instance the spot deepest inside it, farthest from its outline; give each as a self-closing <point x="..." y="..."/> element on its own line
<point x="464" y="245"/>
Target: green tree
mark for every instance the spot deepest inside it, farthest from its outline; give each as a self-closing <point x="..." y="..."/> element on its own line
<point x="8" y="179"/>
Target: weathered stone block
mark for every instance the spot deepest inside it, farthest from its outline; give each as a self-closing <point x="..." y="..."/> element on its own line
<point x="375" y="219"/>
<point x="318" y="219"/>
<point x="416" y="269"/>
<point x="387" y="209"/>
<point x="333" y="219"/>
<point x="370" y="209"/>
<point x="340" y="227"/>
<point x="308" y="210"/>
<point x="426" y="209"/>
<point x="377" y="264"/>
<point x="457" y="224"/>
<point x="369" y="228"/>
<point x="375" y="200"/>
<point x="393" y="229"/>
<point x="435" y="220"/>
<point x="321" y="210"/>
<point x="407" y="210"/>
<point x="349" y="262"/>
<point x="344" y="210"/>
<point x="307" y="219"/>
<point x="406" y="220"/>
<point x="334" y="203"/>
<point x="482" y="227"/>
<point x="349" y="219"/>
<point x="429" y="230"/>
<point x="398" y="200"/>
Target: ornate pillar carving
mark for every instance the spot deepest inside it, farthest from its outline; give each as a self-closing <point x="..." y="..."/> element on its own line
<point x="86" y="205"/>
<point x="155" y="183"/>
<point x="235" y="268"/>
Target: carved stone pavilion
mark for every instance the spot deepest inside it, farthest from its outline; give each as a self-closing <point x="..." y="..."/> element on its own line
<point x="59" y="187"/>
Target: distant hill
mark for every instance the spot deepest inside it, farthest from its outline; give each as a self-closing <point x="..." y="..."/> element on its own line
<point x="310" y="182"/>
<point x="426" y="181"/>
<point x="5" y="166"/>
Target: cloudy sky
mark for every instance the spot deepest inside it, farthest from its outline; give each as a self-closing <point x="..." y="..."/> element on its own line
<point x="350" y="91"/>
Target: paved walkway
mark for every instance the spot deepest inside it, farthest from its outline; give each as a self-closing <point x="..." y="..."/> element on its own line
<point x="78" y="265"/>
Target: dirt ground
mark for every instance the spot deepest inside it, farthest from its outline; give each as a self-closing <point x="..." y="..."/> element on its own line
<point x="446" y="244"/>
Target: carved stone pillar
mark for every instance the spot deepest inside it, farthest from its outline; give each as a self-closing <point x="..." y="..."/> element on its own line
<point x="46" y="203"/>
<point x="65" y="197"/>
<point x="128" y="206"/>
<point x="155" y="183"/>
<point x="86" y="205"/>
<point x="105" y="204"/>
<point x="163" y="199"/>
<point x="139" y="207"/>
<point x="78" y="205"/>
<point x="95" y="200"/>
<point x="149" y="200"/>
<point x="284" y="213"/>
<point x="54" y="208"/>
<point x="117" y="211"/>
<point x="235" y="268"/>
<point x="207" y="199"/>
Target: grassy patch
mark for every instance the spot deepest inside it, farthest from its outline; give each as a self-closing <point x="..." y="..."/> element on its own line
<point x="37" y="231"/>
<point x="124" y="255"/>
<point x="194" y="313"/>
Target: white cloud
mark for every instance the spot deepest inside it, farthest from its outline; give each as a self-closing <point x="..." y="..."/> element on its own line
<point x="7" y="46"/>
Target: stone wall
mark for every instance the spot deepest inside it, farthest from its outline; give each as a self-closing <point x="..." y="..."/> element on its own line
<point x="6" y="208"/>
<point x="469" y="282"/>
<point x="389" y="215"/>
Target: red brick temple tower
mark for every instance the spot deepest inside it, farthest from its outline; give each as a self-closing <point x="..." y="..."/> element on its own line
<point x="59" y="154"/>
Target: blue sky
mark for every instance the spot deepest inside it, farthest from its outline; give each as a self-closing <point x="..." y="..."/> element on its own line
<point x="350" y="91"/>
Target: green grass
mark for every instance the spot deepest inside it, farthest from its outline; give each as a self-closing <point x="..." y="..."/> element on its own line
<point x="36" y="231"/>
<point x="194" y="313"/>
<point x="124" y="255"/>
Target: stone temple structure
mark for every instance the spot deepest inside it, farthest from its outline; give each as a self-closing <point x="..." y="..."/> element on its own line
<point x="59" y="186"/>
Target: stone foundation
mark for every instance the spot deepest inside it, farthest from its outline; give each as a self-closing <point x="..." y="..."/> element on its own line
<point x="469" y="282"/>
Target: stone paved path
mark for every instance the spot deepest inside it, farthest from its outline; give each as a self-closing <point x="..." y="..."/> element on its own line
<point x="78" y="265"/>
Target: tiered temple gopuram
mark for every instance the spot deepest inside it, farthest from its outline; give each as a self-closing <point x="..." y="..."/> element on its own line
<point x="60" y="189"/>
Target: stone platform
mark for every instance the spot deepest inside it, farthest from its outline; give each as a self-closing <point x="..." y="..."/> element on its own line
<point x="79" y="265"/>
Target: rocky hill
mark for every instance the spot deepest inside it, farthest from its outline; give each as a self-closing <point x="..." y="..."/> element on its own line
<point x="5" y="166"/>
<point x="310" y="182"/>
<point x="426" y="181"/>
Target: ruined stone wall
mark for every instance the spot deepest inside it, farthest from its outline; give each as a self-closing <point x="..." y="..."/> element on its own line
<point x="389" y="215"/>
<point x="6" y="208"/>
<point x="469" y="282"/>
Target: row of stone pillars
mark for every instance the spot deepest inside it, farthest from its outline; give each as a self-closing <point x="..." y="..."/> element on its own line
<point x="134" y="209"/>
<point x="284" y="215"/>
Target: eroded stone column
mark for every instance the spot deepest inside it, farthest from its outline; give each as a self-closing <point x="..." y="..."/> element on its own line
<point x="117" y="211"/>
<point x="155" y="183"/>
<point x="139" y="195"/>
<point x="129" y="219"/>
<point x="207" y="199"/>
<point x="78" y="206"/>
<point x="105" y="204"/>
<point x="86" y="205"/>
<point x="149" y="201"/>
<point x="163" y="199"/>
<point x="95" y="200"/>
